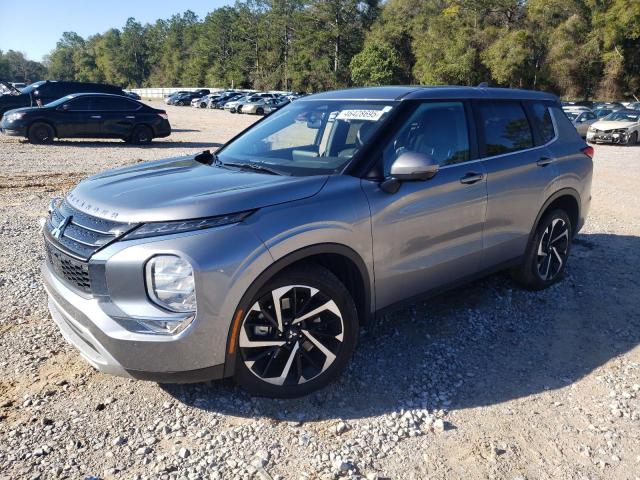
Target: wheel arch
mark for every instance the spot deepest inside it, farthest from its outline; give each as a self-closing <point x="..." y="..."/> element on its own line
<point x="568" y="200"/>
<point x="341" y="260"/>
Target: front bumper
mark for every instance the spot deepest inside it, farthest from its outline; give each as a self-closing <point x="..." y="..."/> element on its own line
<point x="14" y="129"/>
<point x="608" y="137"/>
<point x="95" y="323"/>
<point x="109" y="355"/>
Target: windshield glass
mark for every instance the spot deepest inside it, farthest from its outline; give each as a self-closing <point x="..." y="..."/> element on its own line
<point x="623" y="116"/>
<point x="309" y="137"/>
<point x="572" y="115"/>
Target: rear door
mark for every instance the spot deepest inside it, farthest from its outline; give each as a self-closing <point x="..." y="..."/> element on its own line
<point x="119" y="116"/>
<point x="428" y="234"/>
<point x="514" y="138"/>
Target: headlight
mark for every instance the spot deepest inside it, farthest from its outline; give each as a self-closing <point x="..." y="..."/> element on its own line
<point x="166" y="228"/>
<point x="15" y="116"/>
<point x="170" y="283"/>
<point x="592" y="128"/>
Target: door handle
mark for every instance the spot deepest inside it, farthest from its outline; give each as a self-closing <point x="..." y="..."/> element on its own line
<point x="471" y="177"/>
<point x="96" y="116"/>
<point x="544" y="161"/>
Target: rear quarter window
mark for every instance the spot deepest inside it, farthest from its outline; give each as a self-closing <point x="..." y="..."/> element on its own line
<point x="542" y="115"/>
<point x="505" y="126"/>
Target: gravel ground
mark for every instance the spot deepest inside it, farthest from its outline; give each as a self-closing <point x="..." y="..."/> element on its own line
<point x="487" y="381"/>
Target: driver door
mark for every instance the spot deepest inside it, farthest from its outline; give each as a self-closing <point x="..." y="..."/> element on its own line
<point x="428" y="234"/>
<point x="77" y="119"/>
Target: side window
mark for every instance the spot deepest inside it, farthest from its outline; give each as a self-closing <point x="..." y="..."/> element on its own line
<point x="590" y="116"/>
<point x="506" y="128"/>
<point x="114" y="104"/>
<point x="438" y="129"/>
<point x="78" y="105"/>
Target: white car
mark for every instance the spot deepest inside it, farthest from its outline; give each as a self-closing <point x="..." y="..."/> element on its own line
<point x="581" y="119"/>
<point x="622" y="126"/>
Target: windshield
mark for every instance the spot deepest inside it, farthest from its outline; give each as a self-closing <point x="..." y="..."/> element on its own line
<point x="32" y="87"/>
<point x="572" y="115"/>
<point x="309" y="137"/>
<point x="623" y="116"/>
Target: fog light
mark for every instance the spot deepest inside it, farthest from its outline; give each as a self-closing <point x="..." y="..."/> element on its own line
<point x="170" y="283"/>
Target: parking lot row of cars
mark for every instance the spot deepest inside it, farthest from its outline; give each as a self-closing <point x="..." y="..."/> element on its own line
<point x="605" y="122"/>
<point x="258" y="103"/>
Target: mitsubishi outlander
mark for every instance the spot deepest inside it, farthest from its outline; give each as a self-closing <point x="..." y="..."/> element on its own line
<point x="260" y="261"/>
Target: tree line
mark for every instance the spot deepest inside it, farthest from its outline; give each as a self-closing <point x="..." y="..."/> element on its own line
<point x="576" y="48"/>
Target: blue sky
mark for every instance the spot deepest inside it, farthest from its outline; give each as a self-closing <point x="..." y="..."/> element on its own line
<point x="34" y="26"/>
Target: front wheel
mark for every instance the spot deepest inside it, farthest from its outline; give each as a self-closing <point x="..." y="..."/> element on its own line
<point x="297" y="334"/>
<point x="633" y="139"/>
<point x="547" y="253"/>
<point x="41" y="132"/>
<point x="260" y="111"/>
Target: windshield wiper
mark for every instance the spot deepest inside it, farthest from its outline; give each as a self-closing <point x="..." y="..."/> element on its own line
<point x="257" y="167"/>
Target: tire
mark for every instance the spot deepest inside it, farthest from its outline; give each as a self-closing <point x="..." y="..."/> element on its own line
<point x="41" y="132"/>
<point x="547" y="253"/>
<point x="260" y="111"/>
<point x="141" y="135"/>
<point x="303" y="355"/>
<point x="633" y="139"/>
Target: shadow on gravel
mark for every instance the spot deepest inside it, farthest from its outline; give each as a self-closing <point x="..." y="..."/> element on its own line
<point x="122" y="144"/>
<point x="482" y="344"/>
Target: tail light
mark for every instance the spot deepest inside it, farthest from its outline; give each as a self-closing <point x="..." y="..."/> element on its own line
<point x="588" y="151"/>
<point x="166" y="117"/>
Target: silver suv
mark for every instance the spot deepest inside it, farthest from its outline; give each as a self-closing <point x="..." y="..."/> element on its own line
<point x="262" y="260"/>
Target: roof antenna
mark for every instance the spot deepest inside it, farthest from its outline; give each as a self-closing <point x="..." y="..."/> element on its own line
<point x="483" y="85"/>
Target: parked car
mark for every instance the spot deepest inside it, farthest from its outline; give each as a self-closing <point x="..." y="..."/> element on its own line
<point x="634" y="105"/>
<point x="133" y="95"/>
<point x="203" y="102"/>
<point x="46" y="91"/>
<point x="581" y="120"/>
<point x="88" y="115"/>
<point x="185" y="99"/>
<point x="621" y="126"/>
<point x="261" y="261"/>
<point x="220" y="102"/>
<point x="169" y="98"/>
<point x="233" y="105"/>
<point x="261" y="105"/>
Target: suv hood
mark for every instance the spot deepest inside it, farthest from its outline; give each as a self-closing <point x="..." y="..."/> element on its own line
<point x="182" y="188"/>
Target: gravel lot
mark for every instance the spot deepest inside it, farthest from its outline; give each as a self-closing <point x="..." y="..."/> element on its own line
<point x="487" y="381"/>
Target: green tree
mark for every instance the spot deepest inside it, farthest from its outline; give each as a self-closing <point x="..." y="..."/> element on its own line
<point x="374" y="65"/>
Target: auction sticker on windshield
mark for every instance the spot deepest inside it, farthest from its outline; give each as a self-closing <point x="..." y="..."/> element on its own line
<point x="371" y="115"/>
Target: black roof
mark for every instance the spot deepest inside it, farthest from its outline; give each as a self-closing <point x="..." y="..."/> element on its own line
<point x="435" y="92"/>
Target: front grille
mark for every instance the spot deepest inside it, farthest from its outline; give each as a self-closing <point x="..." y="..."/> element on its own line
<point x="80" y="234"/>
<point x="73" y="271"/>
<point x="72" y="237"/>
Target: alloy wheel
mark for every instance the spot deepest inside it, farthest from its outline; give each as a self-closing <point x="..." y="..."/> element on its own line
<point x="552" y="249"/>
<point x="291" y="335"/>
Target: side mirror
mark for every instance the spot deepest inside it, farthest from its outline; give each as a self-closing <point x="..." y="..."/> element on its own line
<point x="63" y="108"/>
<point x="409" y="166"/>
<point x="414" y="166"/>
